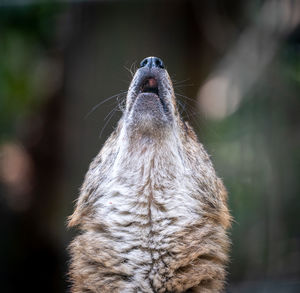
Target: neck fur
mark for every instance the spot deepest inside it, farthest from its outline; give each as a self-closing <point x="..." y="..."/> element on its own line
<point x="139" y="153"/>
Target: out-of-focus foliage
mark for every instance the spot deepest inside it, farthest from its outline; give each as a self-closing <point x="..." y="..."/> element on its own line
<point x="26" y="33"/>
<point x="257" y="151"/>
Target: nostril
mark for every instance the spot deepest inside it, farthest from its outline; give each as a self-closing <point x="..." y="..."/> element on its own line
<point x="159" y="63"/>
<point x="152" y="62"/>
<point x="144" y="62"/>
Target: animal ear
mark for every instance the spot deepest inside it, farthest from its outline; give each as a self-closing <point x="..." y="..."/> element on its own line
<point x="74" y="219"/>
<point x="226" y="218"/>
<point x="81" y="210"/>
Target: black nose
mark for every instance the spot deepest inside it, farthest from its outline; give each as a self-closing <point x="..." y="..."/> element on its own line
<point x="152" y="62"/>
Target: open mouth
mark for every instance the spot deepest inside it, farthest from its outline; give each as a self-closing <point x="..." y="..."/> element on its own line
<point x="150" y="85"/>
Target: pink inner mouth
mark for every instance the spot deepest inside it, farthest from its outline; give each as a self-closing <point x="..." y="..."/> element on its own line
<point x="150" y="85"/>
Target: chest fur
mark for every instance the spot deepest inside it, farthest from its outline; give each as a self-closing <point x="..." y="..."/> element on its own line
<point x="147" y="201"/>
<point x="150" y="230"/>
<point x="144" y="214"/>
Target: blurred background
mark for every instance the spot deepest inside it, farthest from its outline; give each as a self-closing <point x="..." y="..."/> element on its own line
<point x="236" y="72"/>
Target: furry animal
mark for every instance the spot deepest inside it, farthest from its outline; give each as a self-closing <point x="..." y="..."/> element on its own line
<point x="152" y="212"/>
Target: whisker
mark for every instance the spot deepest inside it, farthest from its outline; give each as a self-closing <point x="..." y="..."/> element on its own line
<point x="129" y="70"/>
<point x="133" y="67"/>
<point x="178" y="86"/>
<point x="186" y="112"/>
<point x="182" y="106"/>
<point x="102" y="102"/>
<point x="175" y="82"/>
<point x="126" y="81"/>
<point x="122" y="103"/>
<point x="108" y="118"/>
<point x="190" y="113"/>
<point x="183" y="96"/>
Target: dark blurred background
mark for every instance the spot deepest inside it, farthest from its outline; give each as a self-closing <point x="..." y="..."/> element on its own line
<point x="236" y="71"/>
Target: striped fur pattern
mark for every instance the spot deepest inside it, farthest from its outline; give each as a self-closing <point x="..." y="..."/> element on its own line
<point x="152" y="212"/>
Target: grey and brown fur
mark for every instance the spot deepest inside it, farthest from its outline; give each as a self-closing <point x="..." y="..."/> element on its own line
<point x="152" y="212"/>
